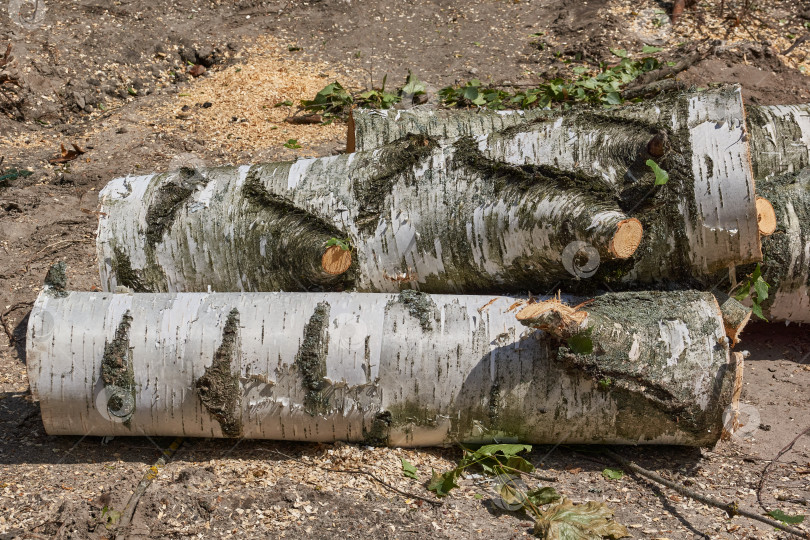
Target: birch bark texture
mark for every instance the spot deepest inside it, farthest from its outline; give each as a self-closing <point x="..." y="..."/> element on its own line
<point x="405" y="369"/>
<point x="522" y="209"/>
<point x="787" y="251"/>
<point x="416" y="213"/>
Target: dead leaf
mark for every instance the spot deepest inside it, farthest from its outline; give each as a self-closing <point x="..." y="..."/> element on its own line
<point x="67" y="155"/>
<point x="590" y="521"/>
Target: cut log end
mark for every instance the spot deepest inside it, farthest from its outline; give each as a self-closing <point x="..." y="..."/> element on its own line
<point x="627" y="238"/>
<point x="766" y="217"/>
<point x="336" y="260"/>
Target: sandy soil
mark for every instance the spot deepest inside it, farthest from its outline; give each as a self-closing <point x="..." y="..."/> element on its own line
<point x="111" y="78"/>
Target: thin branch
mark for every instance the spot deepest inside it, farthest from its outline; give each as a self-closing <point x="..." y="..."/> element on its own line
<point x="729" y="508"/>
<point x="149" y="475"/>
<point x="367" y="473"/>
<point x="4" y="323"/>
<point x="764" y="474"/>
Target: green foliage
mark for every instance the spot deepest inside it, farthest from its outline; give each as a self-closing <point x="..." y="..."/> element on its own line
<point x="413" y="86"/>
<point x="333" y="99"/>
<point x="378" y="98"/>
<point x="110" y="516"/>
<point x="612" y="474"/>
<point x="661" y="176"/>
<point x="605" y="383"/>
<point x="292" y="144"/>
<point x="603" y="87"/>
<point x="786" y="518"/>
<point x="543" y="496"/>
<point x="408" y="470"/>
<point x="757" y="289"/>
<point x="568" y="521"/>
<point x="285" y="103"/>
<point x="344" y="243"/>
<point x="441" y="484"/>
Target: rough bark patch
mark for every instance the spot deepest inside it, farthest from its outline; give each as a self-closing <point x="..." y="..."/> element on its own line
<point x="117" y="373"/>
<point x="420" y="305"/>
<point x="311" y="359"/>
<point x="377" y="434"/>
<point x="124" y="274"/>
<point x="162" y="211"/>
<point x="56" y="279"/>
<point x="399" y="157"/>
<point x="218" y="388"/>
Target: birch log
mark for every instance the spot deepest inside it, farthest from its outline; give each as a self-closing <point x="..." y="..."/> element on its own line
<point x="706" y="149"/>
<point x="403" y="370"/>
<point x="523" y="209"/>
<point x="787" y="251"/>
<point x="414" y="212"/>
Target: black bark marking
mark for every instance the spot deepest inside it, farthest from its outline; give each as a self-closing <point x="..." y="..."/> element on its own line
<point x="218" y="388"/>
<point x="397" y="159"/>
<point x="117" y="373"/>
<point x="311" y="359"/>
<point x="420" y="306"/>
<point x="377" y="434"/>
<point x="170" y="198"/>
<point x="124" y="274"/>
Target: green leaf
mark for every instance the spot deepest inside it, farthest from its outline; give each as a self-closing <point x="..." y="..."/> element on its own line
<point x="505" y="449"/>
<point x="756" y="309"/>
<point x="542" y="496"/>
<point x="613" y="98"/>
<point x="612" y="474"/>
<point x="761" y="288"/>
<point x="408" y="469"/>
<point x="647" y="49"/>
<point x="661" y="176"/>
<point x="285" y="103"/>
<point x="519" y="464"/>
<point x="568" y="521"/>
<point x="786" y="518"/>
<point x="621" y="53"/>
<point x="441" y="484"/>
<point x="413" y="86"/>
<point x="581" y="343"/>
<point x="292" y="143"/>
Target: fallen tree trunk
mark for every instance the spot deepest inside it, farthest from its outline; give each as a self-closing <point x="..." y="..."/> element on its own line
<point x="404" y="370"/>
<point x="787" y="251"/>
<point x="412" y="212"/>
<point x="778" y="135"/>
<point x="469" y="216"/>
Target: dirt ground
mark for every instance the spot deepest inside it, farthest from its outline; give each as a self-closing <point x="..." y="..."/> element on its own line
<point x="110" y="77"/>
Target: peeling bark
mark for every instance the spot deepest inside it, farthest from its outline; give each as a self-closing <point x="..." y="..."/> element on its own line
<point x="402" y="370"/>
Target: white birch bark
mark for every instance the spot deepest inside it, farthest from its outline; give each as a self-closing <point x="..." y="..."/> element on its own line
<point x="779" y="138"/>
<point x="374" y="128"/>
<point x="787" y="251"/>
<point x="716" y="192"/>
<point x="419" y="215"/>
<point x="402" y="370"/>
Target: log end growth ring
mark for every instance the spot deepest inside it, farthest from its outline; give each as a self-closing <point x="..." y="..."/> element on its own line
<point x="766" y="217"/>
<point x="336" y="260"/>
<point x="627" y="238"/>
